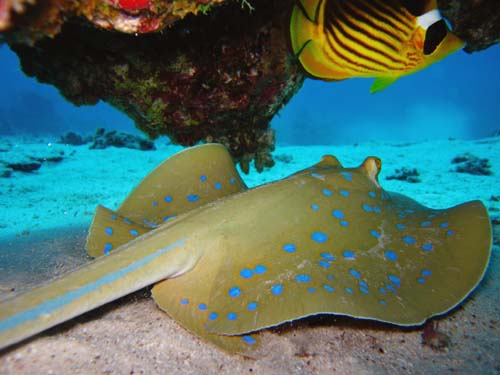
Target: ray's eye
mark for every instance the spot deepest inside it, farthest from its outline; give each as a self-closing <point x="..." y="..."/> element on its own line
<point x="434" y="36"/>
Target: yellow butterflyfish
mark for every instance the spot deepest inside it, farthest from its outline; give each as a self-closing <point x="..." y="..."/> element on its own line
<point x="385" y="39"/>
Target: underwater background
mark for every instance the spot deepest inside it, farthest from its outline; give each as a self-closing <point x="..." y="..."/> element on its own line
<point x="455" y="98"/>
<point x="423" y="121"/>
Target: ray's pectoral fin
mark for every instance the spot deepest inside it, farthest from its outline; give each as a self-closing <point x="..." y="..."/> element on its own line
<point x="186" y="299"/>
<point x="109" y="230"/>
<point x="183" y="182"/>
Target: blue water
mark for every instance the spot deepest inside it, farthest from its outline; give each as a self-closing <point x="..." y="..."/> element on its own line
<point x="457" y="98"/>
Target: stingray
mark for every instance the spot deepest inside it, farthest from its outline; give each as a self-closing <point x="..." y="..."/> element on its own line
<point x="227" y="261"/>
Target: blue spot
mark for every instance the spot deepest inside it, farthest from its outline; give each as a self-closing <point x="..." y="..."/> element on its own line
<point x="450" y="232"/>
<point x="328" y="288"/>
<point x="213" y="315"/>
<point x="374" y="233"/>
<point x="232" y="316"/>
<point x="316" y="175"/>
<point x="319" y="237"/>
<point x="426" y="272"/>
<point x="382" y="302"/>
<point x="355" y="273"/>
<point x="444" y="224"/>
<point x="391" y="288"/>
<point x="203" y="178"/>
<point x="347" y="175"/>
<point x="348" y="290"/>
<point x="409" y="240"/>
<point x="311" y="290"/>
<point x="107" y="248"/>
<point x="134" y="233"/>
<point x="327" y="192"/>
<point x="289" y="248"/>
<point x="322" y="263"/>
<point x="218" y="185"/>
<point x="330" y="277"/>
<point x="193" y="198"/>
<point x="377" y="209"/>
<point x="154" y="203"/>
<point x="395" y="280"/>
<point x="202" y="307"/>
<point x="184" y="301"/>
<point x="383" y="291"/>
<point x="145" y="221"/>
<point x="113" y="217"/>
<point x="109" y="231"/>
<point x="327" y="256"/>
<point x="338" y="214"/>
<point x="315" y="207"/>
<point x="364" y="290"/>
<point x="302" y="278"/>
<point x="232" y="180"/>
<point x="246" y="273"/>
<point x="367" y="207"/>
<point x="248" y="340"/>
<point x="363" y="284"/>
<point x="400" y="226"/>
<point x="344" y="223"/>
<point x="260" y="269"/>
<point x="348" y="254"/>
<point x="391" y="255"/>
<point x="410" y="211"/>
<point x="425" y="224"/>
<point x="153" y="224"/>
<point x="427" y="247"/>
<point x="421" y="280"/>
<point x="127" y="221"/>
<point x="344" y="193"/>
<point x="168" y="217"/>
<point x="401" y="215"/>
<point x="277" y="289"/>
<point x="168" y="199"/>
<point x="252" y="306"/>
<point x="234" y="292"/>
<point x="372" y="194"/>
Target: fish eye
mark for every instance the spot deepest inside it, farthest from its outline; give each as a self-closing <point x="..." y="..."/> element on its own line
<point x="434" y="36"/>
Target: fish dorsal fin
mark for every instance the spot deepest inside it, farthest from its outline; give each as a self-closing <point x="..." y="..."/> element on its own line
<point x="380" y="83"/>
<point x="187" y="180"/>
<point x="109" y="230"/>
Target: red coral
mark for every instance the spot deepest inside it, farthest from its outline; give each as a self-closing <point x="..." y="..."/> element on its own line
<point x="133" y="4"/>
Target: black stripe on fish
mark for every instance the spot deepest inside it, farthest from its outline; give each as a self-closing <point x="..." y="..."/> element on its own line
<point x="434" y="36"/>
<point x="390" y="15"/>
<point x="337" y="27"/>
<point x="415" y="7"/>
<point x="356" y="45"/>
<point x="361" y="17"/>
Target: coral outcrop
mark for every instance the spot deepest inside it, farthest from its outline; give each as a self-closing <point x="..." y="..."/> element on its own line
<point x="219" y="77"/>
<point x="477" y="22"/>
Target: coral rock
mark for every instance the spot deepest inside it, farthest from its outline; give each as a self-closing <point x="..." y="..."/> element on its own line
<point x="103" y="139"/>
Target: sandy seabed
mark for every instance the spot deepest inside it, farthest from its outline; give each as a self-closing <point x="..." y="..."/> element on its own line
<point x="43" y="221"/>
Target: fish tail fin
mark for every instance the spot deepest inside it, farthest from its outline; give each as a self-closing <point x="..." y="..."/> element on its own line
<point x="109" y="230"/>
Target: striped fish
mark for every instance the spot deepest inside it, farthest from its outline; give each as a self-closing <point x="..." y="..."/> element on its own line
<point x="385" y="39"/>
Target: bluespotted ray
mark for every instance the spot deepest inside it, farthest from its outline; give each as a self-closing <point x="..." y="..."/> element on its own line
<point x="227" y="261"/>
